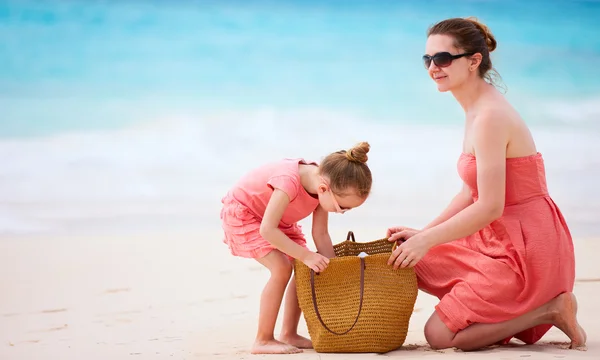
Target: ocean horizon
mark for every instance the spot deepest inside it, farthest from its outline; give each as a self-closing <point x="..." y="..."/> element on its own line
<point x="136" y="116"/>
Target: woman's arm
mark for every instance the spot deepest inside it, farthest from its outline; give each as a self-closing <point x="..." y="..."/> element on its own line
<point x="490" y="140"/>
<point x="459" y="202"/>
<point x="320" y="233"/>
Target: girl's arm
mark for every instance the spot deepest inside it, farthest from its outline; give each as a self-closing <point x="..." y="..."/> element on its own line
<point x="491" y="138"/>
<point x="269" y="227"/>
<point x="320" y="232"/>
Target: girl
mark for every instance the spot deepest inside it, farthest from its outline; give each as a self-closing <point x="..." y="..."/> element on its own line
<point x="260" y="218"/>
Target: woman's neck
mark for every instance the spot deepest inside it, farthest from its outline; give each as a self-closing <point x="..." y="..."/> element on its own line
<point x="469" y="93"/>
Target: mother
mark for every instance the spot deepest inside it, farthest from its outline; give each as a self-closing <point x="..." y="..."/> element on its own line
<point x="500" y="256"/>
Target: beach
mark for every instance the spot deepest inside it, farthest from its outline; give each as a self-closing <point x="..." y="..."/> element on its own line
<point x="179" y="296"/>
<point x="123" y="124"/>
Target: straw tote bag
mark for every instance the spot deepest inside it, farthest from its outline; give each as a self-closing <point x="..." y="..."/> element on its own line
<point x="359" y="303"/>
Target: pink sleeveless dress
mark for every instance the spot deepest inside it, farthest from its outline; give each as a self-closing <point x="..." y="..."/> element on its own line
<point x="245" y="203"/>
<point x="514" y="265"/>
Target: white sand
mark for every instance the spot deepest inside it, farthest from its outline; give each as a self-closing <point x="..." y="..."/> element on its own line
<point x="185" y="297"/>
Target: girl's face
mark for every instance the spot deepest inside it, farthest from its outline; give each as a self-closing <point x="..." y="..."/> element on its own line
<point x="338" y="203"/>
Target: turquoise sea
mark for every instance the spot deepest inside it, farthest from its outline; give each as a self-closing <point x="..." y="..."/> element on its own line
<point x="137" y="115"/>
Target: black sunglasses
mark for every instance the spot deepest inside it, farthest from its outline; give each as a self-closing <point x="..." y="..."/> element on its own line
<point x="442" y="59"/>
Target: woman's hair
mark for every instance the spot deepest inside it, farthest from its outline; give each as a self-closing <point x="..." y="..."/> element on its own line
<point x="348" y="169"/>
<point x="471" y="36"/>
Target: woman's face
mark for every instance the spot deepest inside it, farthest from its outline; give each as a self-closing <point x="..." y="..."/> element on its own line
<point x="447" y="72"/>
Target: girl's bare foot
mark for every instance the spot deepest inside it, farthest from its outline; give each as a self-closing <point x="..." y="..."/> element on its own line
<point x="273" y="347"/>
<point x="564" y="314"/>
<point x="296" y="340"/>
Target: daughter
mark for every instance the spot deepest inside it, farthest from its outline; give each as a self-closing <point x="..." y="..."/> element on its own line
<point x="260" y="217"/>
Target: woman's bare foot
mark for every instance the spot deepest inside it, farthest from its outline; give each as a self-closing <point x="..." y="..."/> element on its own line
<point x="296" y="340"/>
<point x="564" y="314"/>
<point x="273" y="347"/>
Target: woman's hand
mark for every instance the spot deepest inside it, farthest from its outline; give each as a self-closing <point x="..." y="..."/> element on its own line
<point x="410" y="251"/>
<point x="400" y="233"/>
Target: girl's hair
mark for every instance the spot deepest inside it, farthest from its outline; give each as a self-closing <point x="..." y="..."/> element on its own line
<point x="348" y="169"/>
<point x="471" y="36"/>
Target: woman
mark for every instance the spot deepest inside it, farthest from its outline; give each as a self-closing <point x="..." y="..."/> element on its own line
<point x="500" y="257"/>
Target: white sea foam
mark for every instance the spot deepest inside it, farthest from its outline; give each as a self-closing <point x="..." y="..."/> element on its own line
<point x="173" y="172"/>
<point x="578" y="112"/>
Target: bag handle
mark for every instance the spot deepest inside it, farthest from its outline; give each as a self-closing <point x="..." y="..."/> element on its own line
<point x="362" y="290"/>
<point x="350" y="236"/>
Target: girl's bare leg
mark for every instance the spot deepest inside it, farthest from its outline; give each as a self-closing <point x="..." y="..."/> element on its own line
<point x="270" y="302"/>
<point x="560" y="312"/>
<point x="291" y="318"/>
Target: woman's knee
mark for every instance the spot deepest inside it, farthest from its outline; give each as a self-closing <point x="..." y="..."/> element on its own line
<point x="437" y="334"/>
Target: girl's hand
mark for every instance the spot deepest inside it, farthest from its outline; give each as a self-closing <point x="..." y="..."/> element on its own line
<point x="316" y="262"/>
<point x="410" y="251"/>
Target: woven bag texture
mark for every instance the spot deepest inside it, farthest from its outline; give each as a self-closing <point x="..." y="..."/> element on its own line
<point x="377" y="324"/>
